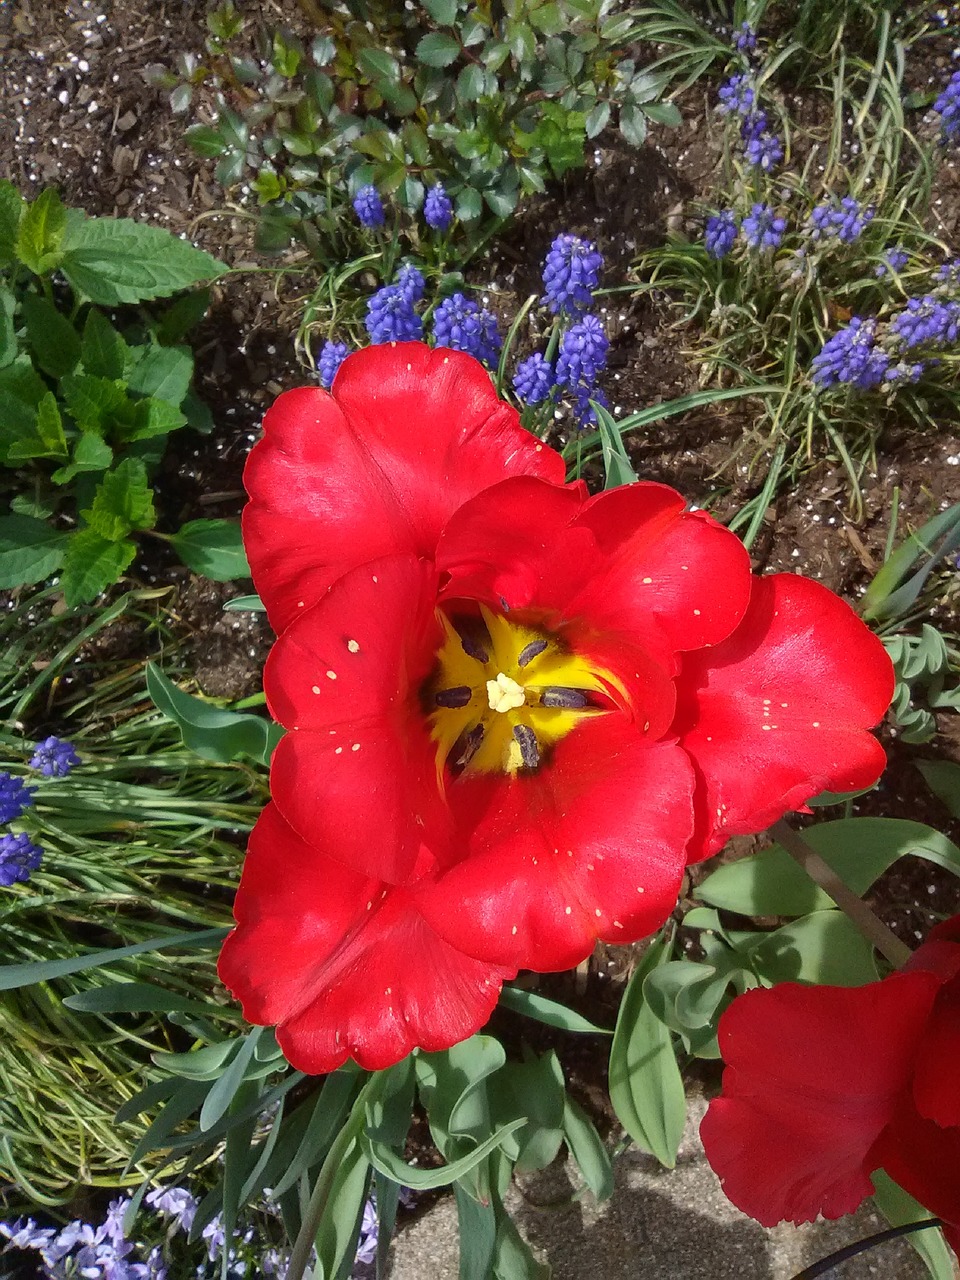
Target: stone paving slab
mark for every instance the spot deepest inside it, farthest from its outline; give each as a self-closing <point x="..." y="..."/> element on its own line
<point x="660" y="1225"/>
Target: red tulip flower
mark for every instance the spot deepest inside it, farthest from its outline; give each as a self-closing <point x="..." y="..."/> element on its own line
<point x="825" y="1085"/>
<point x="514" y="711"/>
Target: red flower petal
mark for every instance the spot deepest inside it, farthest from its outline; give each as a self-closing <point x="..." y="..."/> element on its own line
<point x="377" y="468"/>
<point x="629" y="561"/>
<point x="935" y="1086"/>
<point x="590" y="846"/>
<point x="813" y="1077"/>
<point x="346" y="966"/>
<point x="780" y="711"/>
<point x="356" y="774"/>
<point x="924" y="1159"/>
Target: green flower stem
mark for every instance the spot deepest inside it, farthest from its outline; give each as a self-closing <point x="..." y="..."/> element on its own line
<point x="345" y="1139"/>
<point x="850" y="903"/>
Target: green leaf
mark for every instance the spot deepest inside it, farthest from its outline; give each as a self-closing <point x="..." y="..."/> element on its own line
<point x="123" y="501"/>
<point x="205" y="141"/>
<point x="394" y="1166"/>
<point x="52" y="338"/>
<point x="379" y="66"/>
<point x="859" y="850"/>
<point x="646" y="1088"/>
<point x="13" y="976"/>
<point x="470" y="83"/>
<point x="340" y="1224"/>
<point x="50" y="427"/>
<point x="513" y="1259"/>
<point x="616" y="461"/>
<point x="132" y="997"/>
<point x="11" y="209"/>
<point x="115" y="260"/>
<point x="547" y="1011"/>
<point x="103" y="351"/>
<point x="9" y="346"/>
<point x="438" y="49"/>
<point x="41" y="232"/>
<point x="469" y="204"/>
<point x="213" y="548"/>
<point x="899" y="1209"/>
<point x="477" y="1235"/>
<point x="92" y="453"/>
<point x="245" y="604"/>
<point x="182" y="316"/>
<point x="221" y="1094"/>
<point x="824" y="947"/>
<point x="205" y="1063"/>
<point x="92" y="563"/>
<point x="667" y="113"/>
<point x="633" y="125"/>
<point x="443" y="12"/>
<point x="533" y="1090"/>
<point x="30" y="551"/>
<point x="163" y="372"/>
<point x="588" y="1151"/>
<point x="151" y="417"/>
<point x="212" y="732"/>
<point x="943" y="779"/>
<point x="93" y="402"/>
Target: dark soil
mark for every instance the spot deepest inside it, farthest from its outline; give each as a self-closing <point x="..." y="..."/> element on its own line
<point x="76" y="112"/>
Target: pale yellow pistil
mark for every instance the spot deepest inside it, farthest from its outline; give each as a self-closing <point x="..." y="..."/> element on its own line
<point x="504" y="694"/>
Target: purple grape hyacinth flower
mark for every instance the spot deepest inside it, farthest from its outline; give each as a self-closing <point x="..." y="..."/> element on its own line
<point x="926" y="320"/>
<point x="894" y="259"/>
<point x="583" y="354"/>
<point x="54" y="757"/>
<point x="947" y="106"/>
<point x="852" y="356"/>
<point x="720" y="233"/>
<point x="736" y="96"/>
<point x="571" y="272"/>
<point x="744" y="39"/>
<point x="368" y="207"/>
<point x="19" y="857"/>
<point x="15" y="797"/>
<point x="437" y="209"/>
<point x="764" y="150"/>
<point x="846" y="220"/>
<point x="462" y="324"/>
<point x="534" y="379"/>
<point x="410" y="282"/>
<point x="391" y="318"/>
<point x="761" y="228"/>
<point x="332" y="356"/>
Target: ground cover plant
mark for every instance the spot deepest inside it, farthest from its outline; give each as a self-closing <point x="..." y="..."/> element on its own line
<point x="314" y="885"/>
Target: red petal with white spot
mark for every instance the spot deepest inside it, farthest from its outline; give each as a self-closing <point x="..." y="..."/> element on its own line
<point x="356" y="773"/>
<point x="592" y="846"/>
<point x="781" y="710"/>
<point x="813" y="1077"/>
<point x="345" y="966"/>
<point x="408" y="435"/>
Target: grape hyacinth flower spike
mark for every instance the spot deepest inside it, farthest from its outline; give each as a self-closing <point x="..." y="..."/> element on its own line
<point x="15" y="797"/>
<point x="19" y="857"/>
<point x="571" y="272"/>
<point x="332" y="356"/>
<point x="462" y="324"/>
<point x="368" y="207"/>
<point x="54" y="758"/>
<point x="534" y="379"/>
<point x="762" y="229"/>
<point x="390" y="316"/>
<point x="437" y="209"/>
<point x="720" y="233"/>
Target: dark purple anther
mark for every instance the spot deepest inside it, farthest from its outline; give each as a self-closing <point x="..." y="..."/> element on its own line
<point x="526" y="740"/>
<point x="456" y="697"/>
<point x="473" y="648"/>
<point x="531" y="651"/>
<point x="570" y="699"/>
<point x="469" y="744"/>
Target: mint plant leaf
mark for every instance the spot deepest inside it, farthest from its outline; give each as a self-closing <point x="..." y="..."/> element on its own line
<point x="152" y="417"/>
<point x="123" y="501"/>
<point x="91" y="564"/>
<point x="11" y="209"/>
<point x="164" y="372"/>
<point x="51" y="337"/>
<point x="29" y="551"/>
<point x="116" y="260"/>
<point x="103" y="351"/>
<point x="92" y="402"/>
<point x="40" y="233"/>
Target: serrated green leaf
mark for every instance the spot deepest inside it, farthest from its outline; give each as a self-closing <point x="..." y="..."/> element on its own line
<point x="437" y="49"/>
<point x="116" y="260"/>
<point x="470" y="83"/>
<point x="103" y="351"/>
<point x="41" y="232"/>
<point x="50" y="427"/>
<point x="469" y="204"/>
<point x="152" y="417"/>
<point x="182" y="316"/>
<point x="123" y="501"/>
<point x="443" y="12"/>
<point x="92" y="563"/>
<point x="633" y="125"/>
<point x="51" y="337"/>
<point x="205" y="141"/>
<point x="93" y="402"/>
<point x="30" y="551"/>
<point x="667" y="113"/>
<point x="92" y="453"/>
<point x="9" y="347"/>
<point x="379" y="66"/>
<point x="646" y="1088"/>
<point x="213" y="548"/>
<point x="214" y="733"/>
<point x="858" y="849"/>
<point x="11" y="209"/>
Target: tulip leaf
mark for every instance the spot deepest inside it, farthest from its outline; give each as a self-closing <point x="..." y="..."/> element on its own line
<point x="899" y="1208"/>
<point x="587" y="1150"/>
<point x="823" y="947"/>
<point x="132" y="997"/>
<point x="212" y="732"/>
<point x="943" y="779"/>
<point x="646" y="1088"/>
<point x="550" y="1012"/>
<point x="616" y="463"/>
<point x="340" y="1225"/>
<point x="858" y="849"/>
<point x="477" y="1233"/>
<point x="222" y="1092"/>
<point x="394" y="1166"/>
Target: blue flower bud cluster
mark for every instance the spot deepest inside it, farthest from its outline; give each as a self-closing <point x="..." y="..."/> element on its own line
<point x="19" y="856"/>
<point x="462" y="324"/>
<point x="925" y="321"/>
<point x="736" y="95"/>
<point x="894" y="259"/>
<point x="852" y="356"/>
<point x="332" y="356"/>
<point x="844" y="221"/>
<point x="720" y="233"/>
<point x="437" y="208"/>
<point x="762" y="147"/>
<point x="391" y="316"/>
<point x="368" y="207"/>
<point x="947" y="106"/>
<point x="744" y="38"/>
<point x="761" y="228"/>
<point x="948" y="274"/>
<point x="571" y="272"/>
<point x="534" y="378"/>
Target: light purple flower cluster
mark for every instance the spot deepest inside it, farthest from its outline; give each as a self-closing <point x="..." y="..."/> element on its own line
<point x="437" y="209"/>
<point x="15" y="797"/>
<point x="79" y="1249"/>
<point x="762" y="147"/>
<point x="720" y="233"/>
<point x="949" y="273"/>
<point x="410" y="281"/>
<point x="390" y="316"/>
<point x="852" y="356"/>
<point x="332" y="356"/>
<point x="368" y="207"/>
<point x="926" y="321"/>
<point x="845" y="220"/>
<point x="369" y="1233"/>
<point x="534" y="379"/>
<point x="581" y="360"/>
<point x="462" y="324"/>
<point x="737" y="95"/>
<point x="894" y="259"/>
<point x="744" y="38"/>
<point x="54" y="758"/>
<point x="19" y="858"/>
<point x="947" y="106"/>
<point x="571" y="272"/>
<point x="761" y="228"/>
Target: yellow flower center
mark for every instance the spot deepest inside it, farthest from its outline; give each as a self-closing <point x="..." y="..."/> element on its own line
<point x="503" y="693"/>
